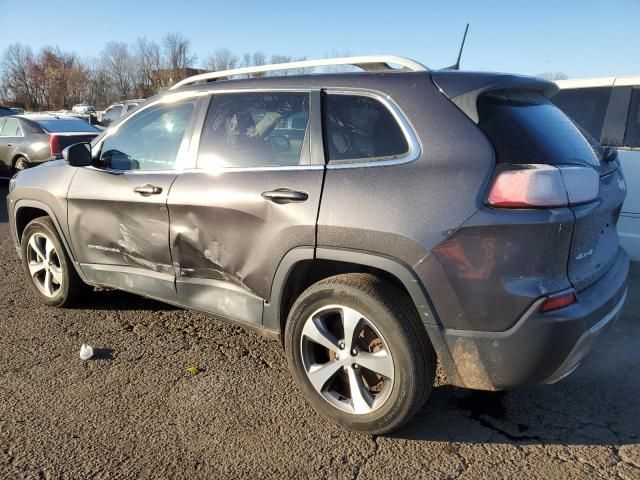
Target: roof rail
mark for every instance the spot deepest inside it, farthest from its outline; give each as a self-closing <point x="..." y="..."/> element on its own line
<point x="371" y="63"/>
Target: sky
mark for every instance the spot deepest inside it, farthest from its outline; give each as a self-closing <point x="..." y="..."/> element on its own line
<point x="579" y="38"/>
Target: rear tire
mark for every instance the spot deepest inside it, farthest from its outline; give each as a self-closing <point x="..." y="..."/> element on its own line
<point x="50" y="273"/>
<point x="20" y="164"/>
<point x="371" y="380"/>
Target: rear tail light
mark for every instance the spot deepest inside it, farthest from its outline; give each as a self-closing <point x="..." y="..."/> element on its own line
<point x="540" y="186"/>
<point x="54" y="145"/>
<point x="557" y="301"/>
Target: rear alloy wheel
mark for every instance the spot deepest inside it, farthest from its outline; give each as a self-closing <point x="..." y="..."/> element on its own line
<point x="358" y="352"/>
<point x="20" y="164"/>
<point x="49" y="270"/>
<point x="354" y="374"/>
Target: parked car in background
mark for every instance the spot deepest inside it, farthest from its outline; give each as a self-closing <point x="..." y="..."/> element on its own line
<point x="17" y="110"/>
<point x="609" y="109"/>
<point x="375" y="222"/>
<point x="28" y="140"/>
<point x="6" y="111"/>
<point x="83" y="108"/>
<point x="117" y="110"/>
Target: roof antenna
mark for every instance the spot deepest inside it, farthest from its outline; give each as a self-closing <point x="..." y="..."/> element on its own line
<point x="456" y="66"/>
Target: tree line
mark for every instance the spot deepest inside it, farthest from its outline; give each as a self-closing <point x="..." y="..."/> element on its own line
<point x="54" y="79"/>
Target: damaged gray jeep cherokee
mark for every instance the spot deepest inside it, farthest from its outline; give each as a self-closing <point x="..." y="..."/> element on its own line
<point x="376" y="222"/>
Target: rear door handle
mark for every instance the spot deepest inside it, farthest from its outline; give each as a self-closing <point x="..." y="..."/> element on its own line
<point x="284" y="195"/>
<point x="10" y="144"/>
<point x="148" y="189"/>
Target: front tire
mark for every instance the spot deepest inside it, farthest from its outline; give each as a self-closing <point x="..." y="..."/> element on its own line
<point x="49" y="271"/>
<point x="358" y="352"/>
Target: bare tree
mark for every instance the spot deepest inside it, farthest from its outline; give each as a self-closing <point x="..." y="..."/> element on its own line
<point x="119" y="64"/>
<point x="149" y="65"/>
<point x="177" y="50"/>
<point x="221" y="59"/>
<point x="17" y="85"/>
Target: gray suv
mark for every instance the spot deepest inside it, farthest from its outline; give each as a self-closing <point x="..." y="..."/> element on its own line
<point x="377" y="223"/>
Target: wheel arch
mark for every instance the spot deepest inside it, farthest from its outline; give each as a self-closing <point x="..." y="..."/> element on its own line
<point x="303" y="266"/>
<point x="27" y="210"/>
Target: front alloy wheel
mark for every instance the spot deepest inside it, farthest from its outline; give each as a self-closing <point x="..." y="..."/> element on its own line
<point x="44" y="265"/>
<point x="49" y="270"/>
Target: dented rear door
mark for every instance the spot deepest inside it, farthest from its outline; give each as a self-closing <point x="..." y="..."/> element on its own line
<point x="253" y="197"/>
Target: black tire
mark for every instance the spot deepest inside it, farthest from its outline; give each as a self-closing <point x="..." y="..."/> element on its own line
<point x="391" y="312"/>
<point x="21" y="163"/>
<point x="71" y="286"/>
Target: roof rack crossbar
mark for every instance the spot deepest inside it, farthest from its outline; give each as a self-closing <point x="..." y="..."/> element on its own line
<point x="372" y="63"/>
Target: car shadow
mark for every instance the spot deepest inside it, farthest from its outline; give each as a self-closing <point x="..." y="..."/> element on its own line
<point x="596" y="405"/>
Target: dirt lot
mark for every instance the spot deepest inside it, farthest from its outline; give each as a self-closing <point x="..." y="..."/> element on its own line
<point x="135" y="413"/>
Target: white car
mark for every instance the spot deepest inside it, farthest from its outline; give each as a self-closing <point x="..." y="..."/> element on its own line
<point x="609" y="109"/>
<point x="83" y="108"/>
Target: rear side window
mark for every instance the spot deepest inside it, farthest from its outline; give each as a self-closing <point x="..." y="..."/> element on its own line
<point x="11" y="128"/>
<point x="587" y="106"/>
<point x="254" y="130"/>
<point x="525" y="127"/>
<point x="359" y="128"/>
<point x="632" y="133"/>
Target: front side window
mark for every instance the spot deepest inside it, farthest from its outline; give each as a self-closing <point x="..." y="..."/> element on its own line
<point x="11" y="128"/>
<point x="254" y="130"/>
<point x="632" y="132"/>
<point x="148" y="141"/>
<point x="361" y="128"/>
<point x="586" y="106"/>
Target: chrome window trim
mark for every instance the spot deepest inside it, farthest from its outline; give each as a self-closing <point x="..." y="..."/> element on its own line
<point x="415" y="148"/>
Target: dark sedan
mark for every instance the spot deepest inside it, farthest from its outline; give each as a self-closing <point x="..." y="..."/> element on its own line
<point x="28" y="140"/>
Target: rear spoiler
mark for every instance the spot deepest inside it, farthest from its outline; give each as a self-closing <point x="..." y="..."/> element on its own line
<point x="464" y="88"/>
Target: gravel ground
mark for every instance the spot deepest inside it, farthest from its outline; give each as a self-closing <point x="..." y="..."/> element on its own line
<point x="133" y="412"/>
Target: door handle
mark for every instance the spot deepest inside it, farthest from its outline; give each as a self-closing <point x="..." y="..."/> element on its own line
<point x="148" y="189"/>
<point x="284" y="195"/>
<point x="10" y="144"/>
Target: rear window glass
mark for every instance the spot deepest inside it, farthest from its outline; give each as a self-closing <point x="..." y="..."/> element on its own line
<point x="361" y="128"/>
<point x="525" y="127"/>
<point x="586" y="106"/>
<point x="632" y="133"/>
<point x="66" y="125"/>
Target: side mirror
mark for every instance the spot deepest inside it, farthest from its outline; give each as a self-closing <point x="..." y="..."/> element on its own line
<point x="78" y="154"/>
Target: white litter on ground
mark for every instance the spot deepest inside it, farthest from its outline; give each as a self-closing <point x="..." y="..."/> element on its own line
<point x="86" y="352"/>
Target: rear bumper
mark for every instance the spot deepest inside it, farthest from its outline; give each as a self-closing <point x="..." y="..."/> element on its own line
<point x="539" y="348"/>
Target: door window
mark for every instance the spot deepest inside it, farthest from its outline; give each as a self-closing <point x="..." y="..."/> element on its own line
<point x="587" y="107"/>
<point x="632" y="133"/>
<point x="361" y="128"/>
<point x="11" y="128"/>
<point x="150" y="140"/>
<point x="254" y="130"/>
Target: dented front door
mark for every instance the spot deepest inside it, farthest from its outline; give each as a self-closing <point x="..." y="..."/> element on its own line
<point x="119" y="227"/>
